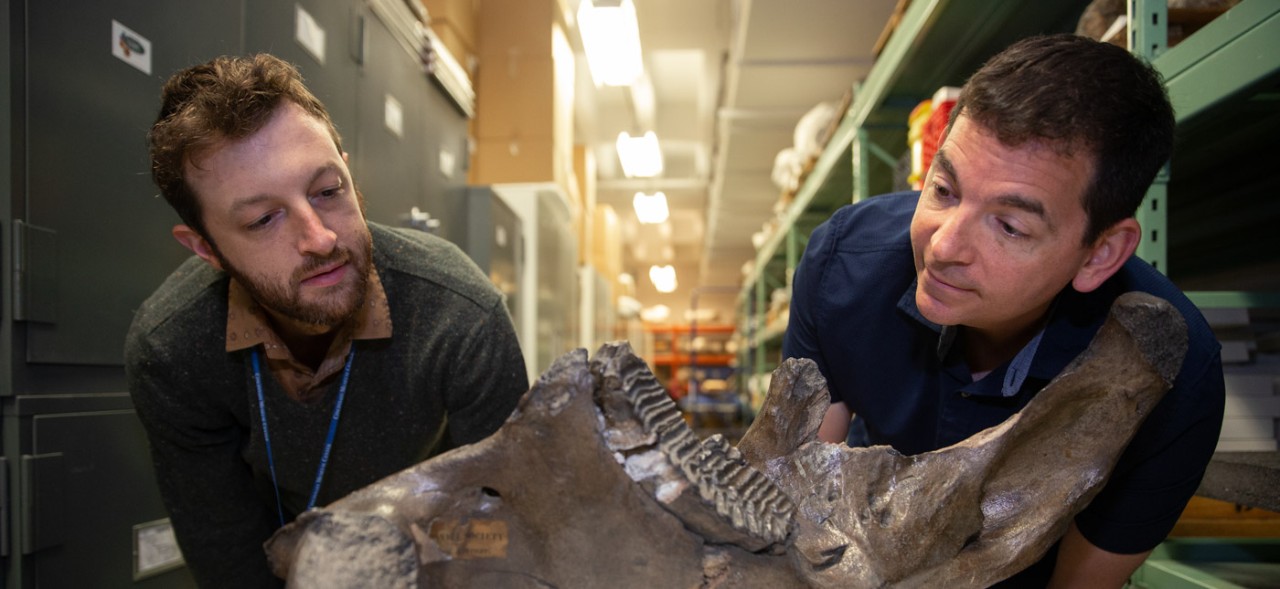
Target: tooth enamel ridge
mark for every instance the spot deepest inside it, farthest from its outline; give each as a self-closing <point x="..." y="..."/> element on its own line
<point x="741" y="505"/>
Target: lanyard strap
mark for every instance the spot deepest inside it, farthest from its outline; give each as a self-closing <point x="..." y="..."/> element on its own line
<point x="328" y="442"/>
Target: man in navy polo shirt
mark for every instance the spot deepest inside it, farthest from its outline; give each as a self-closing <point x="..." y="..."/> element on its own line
<point x="935" y="315"/>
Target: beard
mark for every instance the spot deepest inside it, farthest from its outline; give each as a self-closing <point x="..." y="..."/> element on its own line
<point x="330" y="309"/>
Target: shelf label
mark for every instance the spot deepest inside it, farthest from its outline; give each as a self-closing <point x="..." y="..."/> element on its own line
<point x="309" y="33"/>
<point x="155" y="549"/>
<point x="466" y="540"/>
<point x="393" y="116"/>
<point x="130" y="47"/>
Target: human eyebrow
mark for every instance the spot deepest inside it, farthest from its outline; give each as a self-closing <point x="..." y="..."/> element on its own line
<point x="245" y="203"/>
<point x="948" y="168"/>
<point x="325" y="169"/>
<point x="1023" y="203"/>
<point x="256" y="199"/>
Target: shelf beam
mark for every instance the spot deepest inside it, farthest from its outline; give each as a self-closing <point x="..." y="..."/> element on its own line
<point x="1208" y="299"/>
<point x="1227" y="56"/>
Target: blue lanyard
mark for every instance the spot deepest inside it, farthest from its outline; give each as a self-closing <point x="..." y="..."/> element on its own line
<point x="328" y="442"/>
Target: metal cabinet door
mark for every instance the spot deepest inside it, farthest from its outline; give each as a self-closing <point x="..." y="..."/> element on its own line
<point x="85" y="492"/>
<point x="103" y="236"/>
<point x="331" y="70"/>
<point x="389" y="150"/>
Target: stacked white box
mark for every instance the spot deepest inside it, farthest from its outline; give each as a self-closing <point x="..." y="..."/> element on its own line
<point x="1252" y="383"/>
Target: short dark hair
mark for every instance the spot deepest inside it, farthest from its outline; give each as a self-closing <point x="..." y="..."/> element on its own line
<point x="1079" y="95"/>
<point x="227" y="98"/>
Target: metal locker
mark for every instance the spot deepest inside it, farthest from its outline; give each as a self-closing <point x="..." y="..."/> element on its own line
<point x="87" y="179"/>
<point x="411" y="140"/>
<point x="84" y="504"/>
<point x="388" y="148"/>
<point x="90" y="240"/>
<point x="490" y="233"/>
<point x="322" y="39"/>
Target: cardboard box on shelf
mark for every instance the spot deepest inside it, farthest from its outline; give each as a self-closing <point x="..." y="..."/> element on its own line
<point x="457" y="15"/>
<point x="516" y="24"/>
<point x="515" y="96"/>
<point x="512" y="160"/>
<point x="524" y="95"/>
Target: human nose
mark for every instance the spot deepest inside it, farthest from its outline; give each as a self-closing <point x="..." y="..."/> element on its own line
<point x="314" y="236"/>
<point x="950" y="242"/>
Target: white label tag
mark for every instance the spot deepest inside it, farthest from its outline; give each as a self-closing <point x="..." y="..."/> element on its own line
<point x="155" y="549"/>
<point x="309" y="34"/>
<point x="130" y="47"/>
<point x="393" y="116"/>
<point x="447" y="163"/>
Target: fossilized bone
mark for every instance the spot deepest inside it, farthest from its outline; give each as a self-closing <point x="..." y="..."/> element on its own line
<point x="596" y="479"/>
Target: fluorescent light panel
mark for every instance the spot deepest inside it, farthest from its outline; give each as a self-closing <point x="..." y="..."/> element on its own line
<point x="611" y="40"/>
<point x="663" y="277"/>
<point x="641" y="157"/>
<point x="651" y="208"/>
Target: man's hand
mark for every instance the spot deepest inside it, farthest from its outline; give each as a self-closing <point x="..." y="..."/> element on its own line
<point x="1081" y="564"/>
<point x="835" y="425"/>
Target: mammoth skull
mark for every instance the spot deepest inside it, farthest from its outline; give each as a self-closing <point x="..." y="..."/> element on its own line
<point x="596" y="479"/>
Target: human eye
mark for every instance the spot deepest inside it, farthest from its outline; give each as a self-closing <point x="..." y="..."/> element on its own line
<point x="1010" y="230"/>
<point x="941" y="192"/>
<point x="261" y="222"/>
<point x="331" y="192"/>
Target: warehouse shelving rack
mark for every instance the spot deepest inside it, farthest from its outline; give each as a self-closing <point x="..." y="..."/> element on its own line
<point x="1208" y="221"/>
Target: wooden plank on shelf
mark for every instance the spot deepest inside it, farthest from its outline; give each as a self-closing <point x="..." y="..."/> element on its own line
<point x="890" y="26"/>
<point x="1205" y="517"/>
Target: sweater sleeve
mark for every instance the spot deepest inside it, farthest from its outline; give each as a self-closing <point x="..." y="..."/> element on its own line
<point x="487" y="382"/>
<point x="218" y="516"/>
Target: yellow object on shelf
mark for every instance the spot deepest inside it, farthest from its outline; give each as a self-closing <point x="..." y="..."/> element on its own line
<point x="915" y="138"/>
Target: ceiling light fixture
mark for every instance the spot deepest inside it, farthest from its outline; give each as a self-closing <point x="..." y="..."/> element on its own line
<point x="611" y="40"/>
<point x="663" y="277"/>
<point x="641" y="157"/>
<point x="651" y="208"/>
<point x="655" y="314"/>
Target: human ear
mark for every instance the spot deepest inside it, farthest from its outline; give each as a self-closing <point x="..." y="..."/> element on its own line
<point x="192" y="240"/>
<point x="1111" y="250"/>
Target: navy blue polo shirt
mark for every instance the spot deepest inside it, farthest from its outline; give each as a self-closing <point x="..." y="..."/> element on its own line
<point x="853" y="312"/>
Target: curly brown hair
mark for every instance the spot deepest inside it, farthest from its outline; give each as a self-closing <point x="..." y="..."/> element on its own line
<point x="1081" y="96"/>
<point x="225" y="99"/>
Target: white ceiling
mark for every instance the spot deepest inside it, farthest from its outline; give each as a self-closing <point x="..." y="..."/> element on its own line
<point x="730" y="80"/>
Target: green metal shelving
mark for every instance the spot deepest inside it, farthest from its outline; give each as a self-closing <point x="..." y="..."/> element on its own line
<point x="1233" y="60"/>
<point x="1211" y="563"/>
<point x="1234" y="55"/>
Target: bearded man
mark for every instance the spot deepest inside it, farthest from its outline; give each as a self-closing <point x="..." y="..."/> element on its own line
<point x="302" y="352"/>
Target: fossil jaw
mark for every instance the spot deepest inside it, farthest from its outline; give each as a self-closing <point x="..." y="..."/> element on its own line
<point x="596" y="478"/>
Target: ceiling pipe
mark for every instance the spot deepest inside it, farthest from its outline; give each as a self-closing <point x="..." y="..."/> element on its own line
<point x="729" y="96"/>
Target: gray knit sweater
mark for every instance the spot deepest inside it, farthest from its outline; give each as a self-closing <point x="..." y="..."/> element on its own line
<point x="453" y="357"/>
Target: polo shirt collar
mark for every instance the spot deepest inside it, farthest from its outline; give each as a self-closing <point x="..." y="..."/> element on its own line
<point x="1026" y="363"/>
